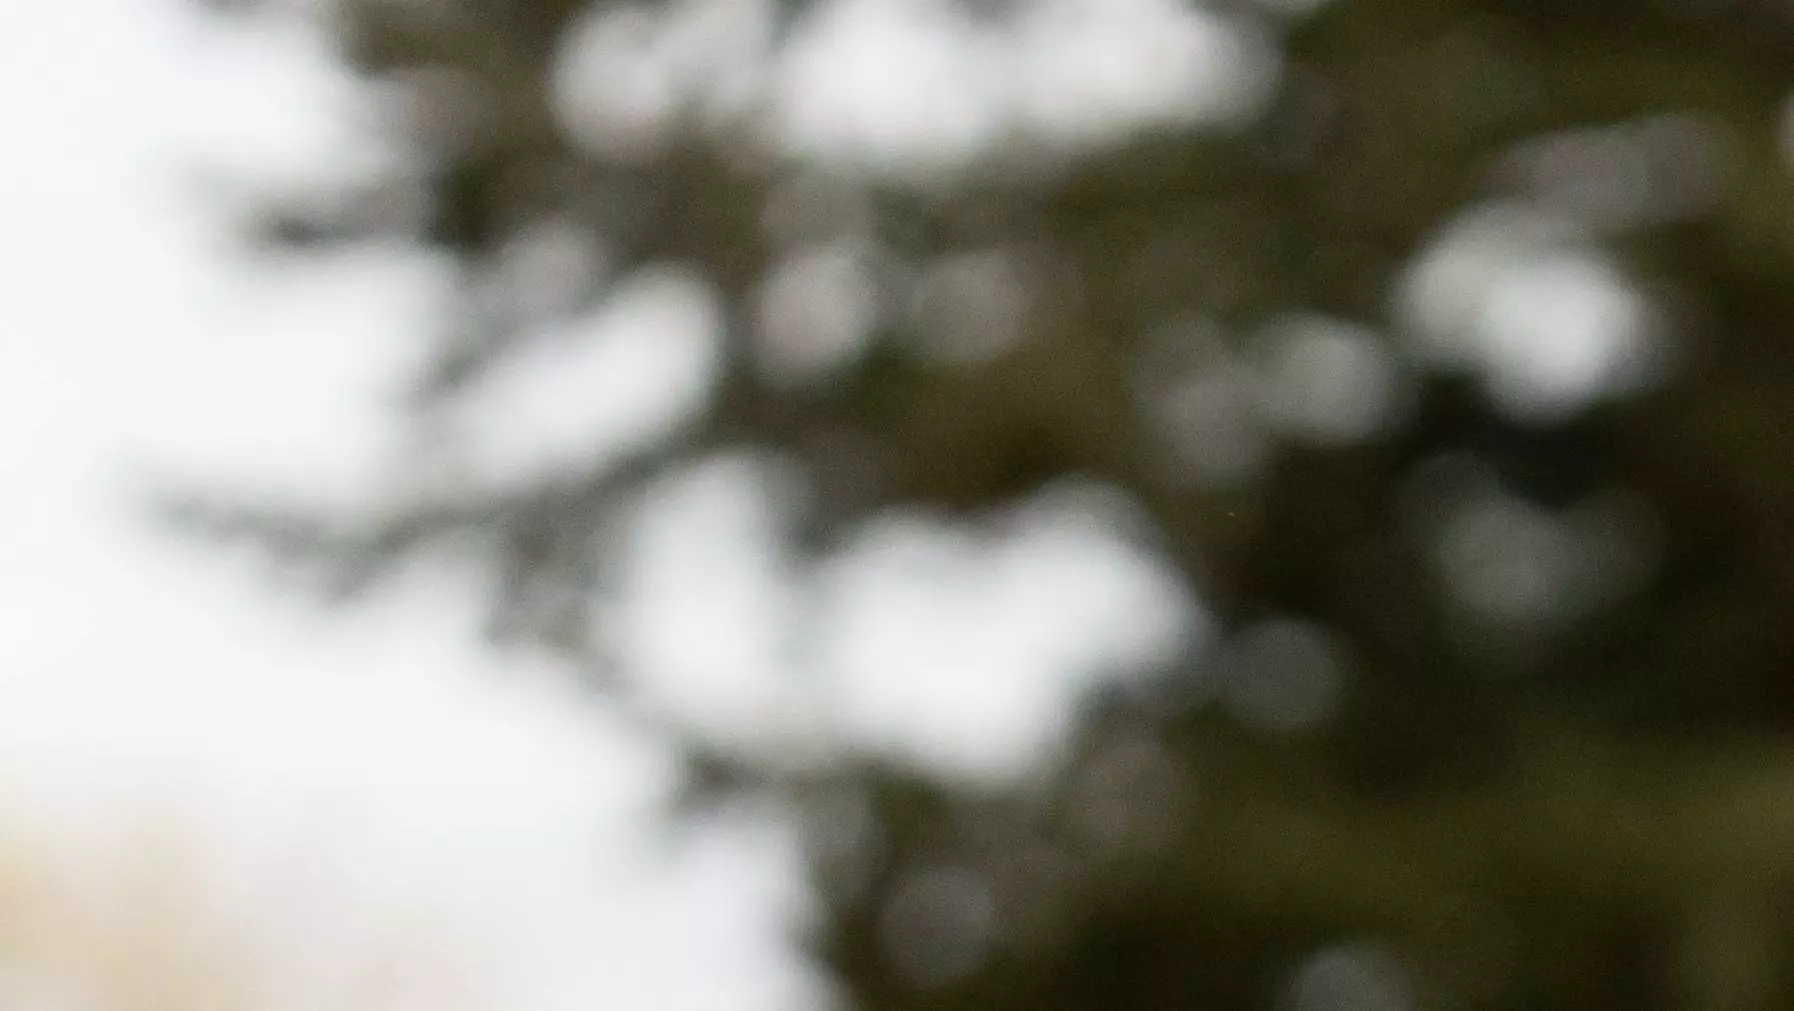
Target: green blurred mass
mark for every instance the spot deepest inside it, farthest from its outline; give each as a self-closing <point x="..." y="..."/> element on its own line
<point x="1559" y="773"/>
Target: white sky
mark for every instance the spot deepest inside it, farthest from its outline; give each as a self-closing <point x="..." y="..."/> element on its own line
<point x="136" y="678"/>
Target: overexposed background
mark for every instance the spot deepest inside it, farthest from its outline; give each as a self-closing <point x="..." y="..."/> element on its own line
<point x="141" y="679"/>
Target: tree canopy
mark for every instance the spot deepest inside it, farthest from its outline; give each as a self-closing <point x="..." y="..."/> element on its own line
<point x="1440" y="347"/>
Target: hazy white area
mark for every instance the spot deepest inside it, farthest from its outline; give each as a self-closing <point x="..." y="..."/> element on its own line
<point x="949" y="90"/>
<point x="1522" y="299"/>
<point x="912" y="86"/>
<point x="144" y="689"/>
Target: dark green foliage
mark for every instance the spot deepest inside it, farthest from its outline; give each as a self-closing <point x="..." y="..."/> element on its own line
<point x="1582" y="810"/>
